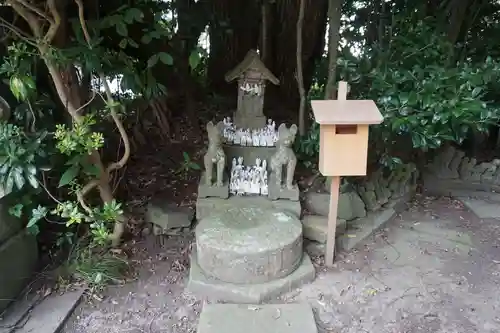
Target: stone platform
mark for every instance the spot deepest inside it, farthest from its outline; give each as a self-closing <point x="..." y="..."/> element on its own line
<point x="275" y="318"/>
<point x="202" y="284"/>
<point x="212" y="206"/>
<point x="248" y="255"/>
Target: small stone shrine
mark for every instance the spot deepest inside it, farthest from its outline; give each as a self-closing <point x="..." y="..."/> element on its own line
<point x="251" y="74"/>
<point x="249" y="235"/>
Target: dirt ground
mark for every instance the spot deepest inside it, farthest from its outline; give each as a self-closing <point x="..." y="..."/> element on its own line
<point x="435" y="268"/>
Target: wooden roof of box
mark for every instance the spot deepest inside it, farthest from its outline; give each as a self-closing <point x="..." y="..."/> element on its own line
<point x="251" y="62"/>
<point x="346" y="112"/>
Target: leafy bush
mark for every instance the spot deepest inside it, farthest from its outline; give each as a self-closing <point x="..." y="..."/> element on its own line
<point x="422" y="94"/>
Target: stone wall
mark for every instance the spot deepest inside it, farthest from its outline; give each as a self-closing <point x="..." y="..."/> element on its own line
<point x="362" y="208"/>
<point x="18" y="255"/>
<point x="451" y="171"/>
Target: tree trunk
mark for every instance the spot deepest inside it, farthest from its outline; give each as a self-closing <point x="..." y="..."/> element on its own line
<point x="334" y="12"/>
<point x="300" y="74"/>
<point x="233" y="31"/>
<point x="284" y="39"/>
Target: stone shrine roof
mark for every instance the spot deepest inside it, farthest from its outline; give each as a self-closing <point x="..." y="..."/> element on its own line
<point x="251" y="62"/>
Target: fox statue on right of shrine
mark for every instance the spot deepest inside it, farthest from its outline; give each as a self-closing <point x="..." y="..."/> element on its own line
<point x="284" y="156"/>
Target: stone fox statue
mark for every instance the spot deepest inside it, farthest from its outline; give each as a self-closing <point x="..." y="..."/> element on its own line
<point x="215" y="154"/>
<point x="284" y="155"/>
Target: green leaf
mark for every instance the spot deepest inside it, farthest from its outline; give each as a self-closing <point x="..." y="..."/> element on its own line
<point x="18" y="88"/>
<point x="146" y="39"/>
<point x="123" y="43"/>
<point x="153" y="60"/>
<point x="186" y="156"/>
<point x="16" y="210"/>
<point x="18" y="178"/>
<point x="134" y="14"/>
<point x="121" y="28"/>
<point x="194" y="59"/>
<point x="69" y="175"/>
<point x="194" y="166"/>
<point x="476" y="92"/>
<point x="166" y="58"/>
<point x="32" y="180"/>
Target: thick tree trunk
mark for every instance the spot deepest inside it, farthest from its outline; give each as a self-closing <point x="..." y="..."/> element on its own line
<point x="233" y="31"/>
<point x="300" y="74"/>
<point x="334" y="11"/>
<point x="284" y="39"/>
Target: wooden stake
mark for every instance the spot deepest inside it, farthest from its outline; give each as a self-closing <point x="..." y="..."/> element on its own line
<point x="334" y="198"/>
<point x="332" y="221"/>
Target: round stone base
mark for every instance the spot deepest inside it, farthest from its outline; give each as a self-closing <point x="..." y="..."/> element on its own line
<point x="249" y="245"/>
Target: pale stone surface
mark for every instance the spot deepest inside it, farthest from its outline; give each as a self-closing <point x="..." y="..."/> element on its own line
<point x="167" y="216"/>
<point x="315" y="227"/>
<point x="350" y="205"/>
<point x="50" y="315"/>
<point x="270" y="318"/>
<point x="249" y="245"/>
<point x="482" y="208"/>
<point x="214" y="289"/>
<point x="18" y="257"/>
<point x="213" y="206"/>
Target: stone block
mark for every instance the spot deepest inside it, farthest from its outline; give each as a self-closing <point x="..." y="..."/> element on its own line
<point x="249" y="245"/>
<point x="168" y="216"/>
<point x="269" y="318"/>
<point x="315" y="227"/>
<point x="350" y="205"/>
<point x="206" y="191"/>
<point x="18" y="258"/>
<point x="9" y="225"/>
<point x="214" y="289"/>
<point x="213" y="206"/>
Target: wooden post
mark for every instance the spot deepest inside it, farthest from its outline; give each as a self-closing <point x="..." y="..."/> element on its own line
<point x="334" y="198"/>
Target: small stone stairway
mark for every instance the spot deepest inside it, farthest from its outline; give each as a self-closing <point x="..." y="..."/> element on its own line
<point x="245" y="256"/>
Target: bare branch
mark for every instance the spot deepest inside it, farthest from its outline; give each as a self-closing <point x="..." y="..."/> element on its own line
<point x="17" y="31"/>
<point x="35" y="9"/>
<point x="29" y="17"/>
<point x="54" y="26"/>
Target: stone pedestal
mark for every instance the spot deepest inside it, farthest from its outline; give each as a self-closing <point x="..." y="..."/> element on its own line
<point x="282" y="192"/>
<point x="205" y="191"/>
<point x="249" y="245"/>
<point x="248" y="255"/>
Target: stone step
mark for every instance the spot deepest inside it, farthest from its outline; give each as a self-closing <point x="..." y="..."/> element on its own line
<point x="271" y="318"/>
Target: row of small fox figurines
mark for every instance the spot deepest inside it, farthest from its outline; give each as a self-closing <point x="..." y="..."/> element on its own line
<point x="283" y="157"/>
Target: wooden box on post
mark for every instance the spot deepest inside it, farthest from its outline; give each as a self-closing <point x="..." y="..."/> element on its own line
<point x="343" y="146"/>
<point x="344" y="135"/>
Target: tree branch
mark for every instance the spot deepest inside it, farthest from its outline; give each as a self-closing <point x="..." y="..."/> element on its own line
<point x="31" y="19"/>
<point x="36" y="10"/>
<point x="300" y="74"/>
<point x="54" y="26"/>
<point x="109" y="97"/>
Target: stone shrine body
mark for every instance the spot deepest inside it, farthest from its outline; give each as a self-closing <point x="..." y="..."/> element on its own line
<point x="250" y="190"/>
<point x="252" y="75"/>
